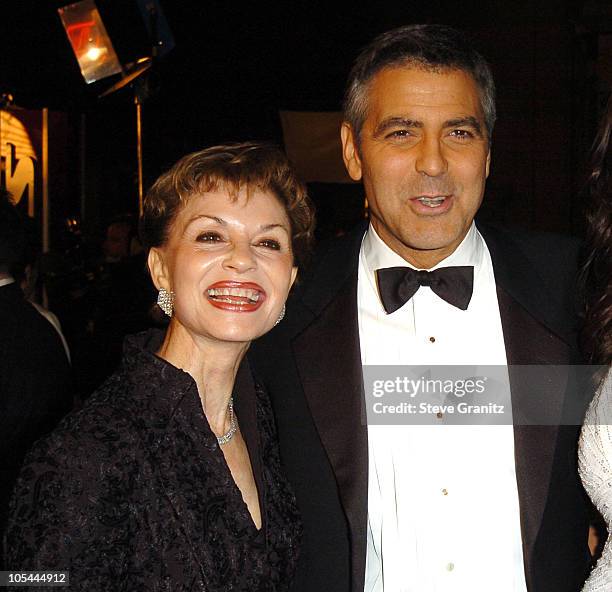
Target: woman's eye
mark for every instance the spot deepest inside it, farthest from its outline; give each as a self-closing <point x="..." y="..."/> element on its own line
<point x="270" y="244"/>
<point x="209" y="237"/>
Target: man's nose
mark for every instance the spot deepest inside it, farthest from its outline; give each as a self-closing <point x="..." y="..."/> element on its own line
<point x="240" y="258"/>
<point x="430" y="158"/>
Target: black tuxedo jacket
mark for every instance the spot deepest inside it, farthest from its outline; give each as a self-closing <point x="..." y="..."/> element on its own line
<point x="311" y="366"/>
<point x="35" y="384"/>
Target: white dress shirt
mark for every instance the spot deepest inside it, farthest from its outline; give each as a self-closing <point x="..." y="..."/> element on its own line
<point x="443" y="510"/>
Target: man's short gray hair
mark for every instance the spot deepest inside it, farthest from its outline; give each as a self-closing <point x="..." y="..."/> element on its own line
<point x="429" y="47"/>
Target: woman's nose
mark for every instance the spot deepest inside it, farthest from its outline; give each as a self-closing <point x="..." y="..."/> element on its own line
<point x="240" y="258"/>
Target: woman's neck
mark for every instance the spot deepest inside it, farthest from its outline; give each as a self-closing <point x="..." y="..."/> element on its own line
<point x="212" y="364"/>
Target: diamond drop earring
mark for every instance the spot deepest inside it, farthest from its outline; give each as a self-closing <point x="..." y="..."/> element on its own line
<point x="165" y="301"/>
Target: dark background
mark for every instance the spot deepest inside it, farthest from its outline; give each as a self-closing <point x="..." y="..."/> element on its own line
<point x="236" y="64"/>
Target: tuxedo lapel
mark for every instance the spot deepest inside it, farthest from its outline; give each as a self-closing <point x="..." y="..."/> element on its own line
<point x="528" y="342"/>
<point x="328" y="359"/>
<point x="329" y="363"/>
<point x="535" y="333"/>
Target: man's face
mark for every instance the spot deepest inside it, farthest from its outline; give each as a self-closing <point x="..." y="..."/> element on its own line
<point x="424" y="159"/>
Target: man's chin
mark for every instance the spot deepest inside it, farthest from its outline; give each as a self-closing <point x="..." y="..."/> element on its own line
<point x="427" y="251"/>
<point x="433" y="243"/>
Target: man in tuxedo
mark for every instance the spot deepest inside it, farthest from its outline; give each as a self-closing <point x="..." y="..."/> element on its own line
<point x="415" y="508"/>
<point x="35" y="375"/>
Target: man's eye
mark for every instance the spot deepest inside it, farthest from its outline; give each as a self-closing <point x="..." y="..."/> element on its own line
<point x="209" y="237"/>
<point x="462" y="134"/>
<point x="402" y="133"/>
<point x="269" y="243"/>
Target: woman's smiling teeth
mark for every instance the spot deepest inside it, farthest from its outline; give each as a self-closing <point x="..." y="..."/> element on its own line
<point x="432" y="202"/>
<point x="233" y="295"/>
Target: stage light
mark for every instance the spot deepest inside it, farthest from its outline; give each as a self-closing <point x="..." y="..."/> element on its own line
<point x="93" y="53"/>
<point x="89" y="40"/>
<point x="97" y="58"/>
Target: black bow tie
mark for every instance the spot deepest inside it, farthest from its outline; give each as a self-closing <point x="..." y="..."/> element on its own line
<point x="397" y="285"/>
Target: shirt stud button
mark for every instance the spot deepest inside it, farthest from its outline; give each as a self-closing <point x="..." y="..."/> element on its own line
<point x="445" y="491"/>
<point x="450" y="566"/>
<point x="439" y="415"/>
<point x="432" y="339"/>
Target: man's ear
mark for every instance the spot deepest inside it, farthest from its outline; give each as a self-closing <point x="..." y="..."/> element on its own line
<point x="158" y="269"/>
<point x="350" y="152"/>
<point x="488" y="166"/>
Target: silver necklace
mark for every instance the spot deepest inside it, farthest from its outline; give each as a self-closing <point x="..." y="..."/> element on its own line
<point x="233" y="425"/>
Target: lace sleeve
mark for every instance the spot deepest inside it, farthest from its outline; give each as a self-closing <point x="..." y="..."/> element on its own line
<point x="595" y="467"/>
<point x="595" y="452"/>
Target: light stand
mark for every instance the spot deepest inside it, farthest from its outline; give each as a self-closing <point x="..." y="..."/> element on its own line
<point x="139" y="84"/>
<point x="97" y="58"/>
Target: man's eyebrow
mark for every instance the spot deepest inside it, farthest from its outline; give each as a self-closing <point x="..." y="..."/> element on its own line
<point x="468" y="120"/>
<point x="390" y="122"/>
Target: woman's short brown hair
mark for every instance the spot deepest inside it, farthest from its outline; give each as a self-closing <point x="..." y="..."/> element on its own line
<point x="250" y="165"/>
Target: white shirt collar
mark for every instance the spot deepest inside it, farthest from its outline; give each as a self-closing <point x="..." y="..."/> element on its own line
<point x="378" y="254"/>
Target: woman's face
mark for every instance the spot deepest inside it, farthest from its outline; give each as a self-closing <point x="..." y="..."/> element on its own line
<point x="229" y="263"/>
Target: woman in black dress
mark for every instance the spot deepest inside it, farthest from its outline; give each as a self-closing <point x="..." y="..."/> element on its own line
<point x="169" y="478"/>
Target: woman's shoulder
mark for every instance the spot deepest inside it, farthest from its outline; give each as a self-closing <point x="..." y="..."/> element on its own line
<point x="103" y="426"/>
<point x="599" y="412"/>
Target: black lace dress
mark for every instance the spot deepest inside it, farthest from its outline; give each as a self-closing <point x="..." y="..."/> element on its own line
<point x="133" y="492"/>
